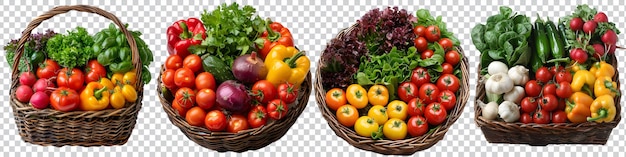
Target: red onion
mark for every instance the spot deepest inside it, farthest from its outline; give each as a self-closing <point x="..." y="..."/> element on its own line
<point x="249" y="68"/>
<point x="233" y="96"/>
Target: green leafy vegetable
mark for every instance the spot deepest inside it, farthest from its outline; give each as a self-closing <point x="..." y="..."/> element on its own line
<point x="71" y="50"/>
<point x="34" y="50"/>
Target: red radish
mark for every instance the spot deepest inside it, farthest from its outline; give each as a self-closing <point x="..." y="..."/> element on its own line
<point x="23" y="93"/>
<point x="40" y="100"/>
<point x="590" y="27"/>
<point x="579" y="55"/>
<point x="609" y="37"/>
<point x="600" y="17"/>
<point x="576" y="24"/>
<point x="612" y="49"/>
<point x="599" y="51"/>
<point x="42" y="85"/>
<point x="27" y="78"/>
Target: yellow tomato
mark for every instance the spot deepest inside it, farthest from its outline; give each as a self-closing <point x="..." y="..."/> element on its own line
<point x="395" y="129"/>
<point x="117" y="79"/>
<point x="397" y="109"/>
<point x="357" y="96"/>
<point x="107" y="83"/>
<point x="335" y="98"/>
<point x="378" y="113"/>
<point x="129" y="78"/>
<point x="378" y="95"/>
<point x="365" y="126"/>
<point x="117" y="100"/>
<point x="347" y="115"/>
<point x="129" y="93"/>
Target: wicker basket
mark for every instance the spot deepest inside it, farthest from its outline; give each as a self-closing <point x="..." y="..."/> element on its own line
<point x="77" y="128"/>
<point x="251" y="139"/>
<point x="543" y="134"/>
<point x="406" y="146"/>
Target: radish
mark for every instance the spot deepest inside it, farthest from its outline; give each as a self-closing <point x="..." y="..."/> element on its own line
<point x="42" y="85"/>
<point x="600" y="17"/>
<point x="612" y="49"/>
<point x="609" y="37"/>
<point x="576" y="24"/>
<point x="599" y="51"/>
<point x="579" y="55"/>
<point x="40" y="100"/>
<point x="27" y="78"/>
<point x="590" y="27"/>
<point x="23" y="93"/>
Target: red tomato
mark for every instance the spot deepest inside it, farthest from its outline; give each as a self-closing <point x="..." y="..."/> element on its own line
<point x="435" y="114"/>
<point x="526" y="118"/>
<point x="420" y="76"/>
<point x="287" y="93"/>
<point x="448" y="82"/>
<point x="432" y="33"/>
<point x="185" y="78"/>
<point x="195" y="116"/>
<point x="533" y="89"/>
<point x="257" y="116"/>
<point x="205" y="80"/>
<point x="237" y="123"/>
<point x="277" y="109"/>
<point x="564" y="76"/>
<point x="554" y="70"/>
<point x="173" y="62"/>
<point x="548" y="103"/>
<point x="447" y="68"/>
<point x="563" y="90"/>
<point x="427" y="54"/>
<point x="48" y="69"/>
<point x="73" y="79"/>
<point x="446" y="43"/>
<point x="181" y="111"/>
<point x="453" y="57"/>
<point x="416" y="107"/>
<point x="428" y="93"/>
<point x="549" y="89"/>
<point x="417" y="126"/>
<point x="541" y="117"/>
<point x="186" y="97"/>
<point x="168" y="79"/>
<point x="559" y="117"/>
<point x="215" y="121"/>
<point x="420" y="44"/>
<point x="64" y="99"/>
<point x="528" y="105"/>
<point x="407" y="91"/>
<point x="264" y="91"/>
<point x="95" y="71"/>
<point x="419" y="30"/>
<point x="447" y="99"/>
<point x="543" y="75"/>
<point x="205" y="98"/>
<point x="562" y="104"/>
<point x="193" y="62"/>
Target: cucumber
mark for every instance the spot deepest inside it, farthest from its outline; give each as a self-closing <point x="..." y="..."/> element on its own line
<point x="221" y="72"/>
<point x="542" y="45"/>
<point x="557" y="45"/>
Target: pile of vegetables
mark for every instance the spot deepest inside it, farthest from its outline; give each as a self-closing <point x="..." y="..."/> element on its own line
<point x="230" y="71"/>
<point x="394" y="75"/>
<point x="64" y="71"/>
<point x="554" y="86"/>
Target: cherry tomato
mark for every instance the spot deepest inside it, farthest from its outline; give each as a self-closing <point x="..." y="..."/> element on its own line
<point x="447" y="99"/>
<point x="168" y="79"/>
<point x="378" y="95"/>
<point x="416" y="107"/>
<point x="264" y="91"/>
<point x="543" y="75"/>
<point x="419" y="31"/>
<point x="446" y="43"/>
<point x="215" y="120"/>
<point x="205" y="80"/>
<point x="564" y="76"/>
<point x="548" y="103"/>
<point x="559" y="117"/>
<point x="379" y="114"/>
<point x="420" y="76"/>
<point x="432" y="33"/>
<point x="420" y="44"/>
<point x="541" y="117"/>
<point x="427" y="54"/>
<point x="73" y="79"/>
<point x="287" y="93"/>
<point x="336" y="98"/>
<point x="453" y="57"/>
<point x="173" y="62"/>
<point x="526" y="118"/>
<point x="193" y="62"/>
<point x="347" y="115"/>
<point x="417" y="126"/>
<point x="563" y="90"/>
<point x="554" y="70"/>
<point x="181" y="111"/>
<point x="533" y="89"/>
<point x="407" y="91"/>
<point x="428" y="93"/>
<point x="257" y="117"/>
<point x="357" y="96"/>
<point x="277" y="109"/>
<point x="95" y="71"/>
<point x="237" y="123"/>
<point x="195" y="116"/>
<point x="447" y="68"/>
<point x="528" y="105"/>
<point x="448" y="82"/>
<point x="435" y="114"/>
<point x="48" y="69"/>
<point x="64" y="99"/>
<point x="549" y="89"/>
<point x="186" y="97"/>
<point x="185" y="78"/>
<point x="205" y="98"/>
<point x="397" y="109"/>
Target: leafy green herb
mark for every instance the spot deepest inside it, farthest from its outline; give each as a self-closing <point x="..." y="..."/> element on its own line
<point x="34" y="50"/>
<point x="71" y="50"/>
<point x="113" y="51"/>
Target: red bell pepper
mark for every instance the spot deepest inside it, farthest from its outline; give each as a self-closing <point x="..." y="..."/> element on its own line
<point x="276" y="34"/>
<point x="183" y="34"/>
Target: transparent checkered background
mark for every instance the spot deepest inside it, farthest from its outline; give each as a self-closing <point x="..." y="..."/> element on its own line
<point x="313" y="24"/>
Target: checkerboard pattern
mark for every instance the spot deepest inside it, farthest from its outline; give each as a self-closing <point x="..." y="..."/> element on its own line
<point x="313" y="24"/>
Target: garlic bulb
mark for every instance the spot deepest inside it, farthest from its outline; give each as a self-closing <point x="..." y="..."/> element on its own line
<point x="508" y="111"/>
<point x="519" y="75"/>
<point x="515" y="95"/>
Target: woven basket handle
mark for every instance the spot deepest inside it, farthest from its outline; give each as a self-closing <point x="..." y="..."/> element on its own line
<point x="81" y="8"/>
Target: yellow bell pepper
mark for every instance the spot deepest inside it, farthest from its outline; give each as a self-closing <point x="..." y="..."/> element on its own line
<point x="605" y="86"/>
<point x="286" y="64"/>
<point x="117" y="98"/>
<point x="602" y="69"/>
<point x="583" y="80"/>
<point x="602" y="109"/>
<point x="95" y="97"/>
<point x="575" y="66"/>
<point x="577" y="108"/>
